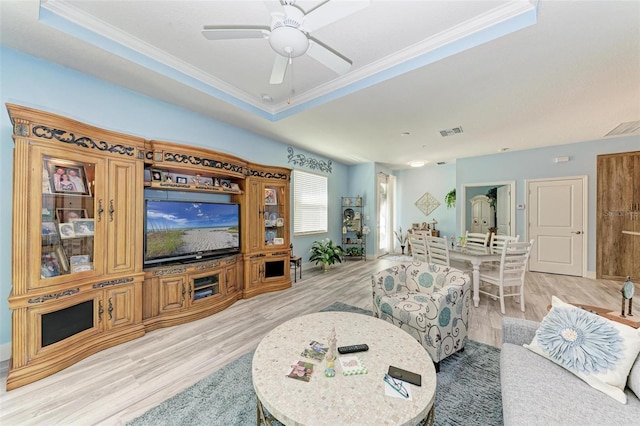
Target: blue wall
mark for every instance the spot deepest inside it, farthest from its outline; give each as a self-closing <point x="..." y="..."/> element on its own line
<point x="538" y="164"/>
<point x="40" y="84"/>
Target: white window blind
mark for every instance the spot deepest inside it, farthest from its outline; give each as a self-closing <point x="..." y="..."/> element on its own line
<point x="310" y="200"/>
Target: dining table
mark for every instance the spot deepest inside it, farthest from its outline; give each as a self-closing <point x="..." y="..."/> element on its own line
<point x="476" y="255"/>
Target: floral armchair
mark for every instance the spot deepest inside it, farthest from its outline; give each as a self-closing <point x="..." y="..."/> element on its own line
<point x="430" y="302"/>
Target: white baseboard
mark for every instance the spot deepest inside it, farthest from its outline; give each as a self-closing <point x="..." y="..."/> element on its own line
<point x="591" y="274"/>
<point x="5" y="351"/>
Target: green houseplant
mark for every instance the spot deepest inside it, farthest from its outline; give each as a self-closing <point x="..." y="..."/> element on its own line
<point x="325" y="252"/>
<point x="450" y="198"/>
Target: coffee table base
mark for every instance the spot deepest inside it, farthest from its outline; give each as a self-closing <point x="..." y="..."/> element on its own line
<point x="265" y="419"/>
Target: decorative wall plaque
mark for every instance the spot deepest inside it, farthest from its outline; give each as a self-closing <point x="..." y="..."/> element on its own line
<point x="427" y="203"/>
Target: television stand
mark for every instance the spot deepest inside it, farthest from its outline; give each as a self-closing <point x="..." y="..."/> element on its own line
<point x="190" y="290"/>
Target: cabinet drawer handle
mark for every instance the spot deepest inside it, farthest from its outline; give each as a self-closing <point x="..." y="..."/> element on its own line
<point x="100" y="210"/>
<point x="110" y="310"/>
<point x="189" y="291"/>
<point x="111" y="210"/>
<point x="100" y="311"/>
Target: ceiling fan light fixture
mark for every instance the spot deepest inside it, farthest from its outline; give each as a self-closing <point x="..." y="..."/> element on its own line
<point x="289" y="42"/>
<point x="416" y="163"/>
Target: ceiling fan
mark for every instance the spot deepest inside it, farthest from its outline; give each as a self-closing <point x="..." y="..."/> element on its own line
<point x="289" y="34"/>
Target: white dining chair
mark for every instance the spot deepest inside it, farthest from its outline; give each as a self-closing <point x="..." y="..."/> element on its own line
<point x="513" y="266"/>
<point x="438" y="253"/>
<point x="476" y="238"/>
<point x="418" y="247"/>
<point x="496" y="241"/>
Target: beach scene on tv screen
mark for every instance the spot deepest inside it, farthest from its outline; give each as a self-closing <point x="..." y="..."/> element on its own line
<point x="182" y="228"/>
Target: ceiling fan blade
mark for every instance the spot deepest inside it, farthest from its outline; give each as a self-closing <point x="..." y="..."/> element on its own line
<point x="225" y="33"/>
<point x="279" y="69"/>
<point x="328" y="58"/>
<point x="332" y="11"/>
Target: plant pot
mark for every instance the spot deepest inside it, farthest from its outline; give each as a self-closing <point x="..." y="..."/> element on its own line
<point x="326" y="266"/>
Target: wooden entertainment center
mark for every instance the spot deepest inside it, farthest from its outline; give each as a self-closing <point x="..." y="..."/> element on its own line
<point x="80" y="284"/>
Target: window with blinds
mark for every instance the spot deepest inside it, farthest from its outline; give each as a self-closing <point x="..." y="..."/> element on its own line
<point x="310" y="200"/>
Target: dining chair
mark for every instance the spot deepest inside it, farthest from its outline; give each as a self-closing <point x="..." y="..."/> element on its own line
<point x="498" y="241"/>
<point x="513" y="266"/>
<point x="437" y="250"/>
<point x="418" y="247"/>
<point x="476" y="238"/>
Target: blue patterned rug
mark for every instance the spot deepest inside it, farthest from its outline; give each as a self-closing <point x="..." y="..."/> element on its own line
<point x="468" y="392"/>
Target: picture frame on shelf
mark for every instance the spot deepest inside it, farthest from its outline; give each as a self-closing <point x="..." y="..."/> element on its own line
<point x="82" y="267"/>
<point x="167" y="177"/>
<point x="235" y="186"/>
<point x="181" y="179"/>
<point x="225" y="183"/>
<point x="156" y="175"/>
<point x="83" y="227"/>
<point x="50" y="232"/>
<point x="67" y="215"/>
<point x="279" y="222"/>
<point x="216" y="181"/>
<point x="68" y="177"/>
<point x="50" y="265"/>
<point x="79" y="259"/>
<point x="278" y="241"/>
<point x="62" y="259"/>
<point x="66" y="230"/>
<point x="270" y="197"/>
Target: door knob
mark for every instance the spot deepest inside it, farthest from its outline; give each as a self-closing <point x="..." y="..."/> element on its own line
<point x="576" y="232"/>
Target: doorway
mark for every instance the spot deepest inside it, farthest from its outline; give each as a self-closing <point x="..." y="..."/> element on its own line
<point x="384" y="208"/>
<point x="505" y="205"/>
<point x="557" y="211"/>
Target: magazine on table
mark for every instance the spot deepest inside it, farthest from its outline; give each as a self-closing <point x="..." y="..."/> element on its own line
<point x="315" y="351"/>
<point x="352" y="365"/>
<point x="301" y="370"/>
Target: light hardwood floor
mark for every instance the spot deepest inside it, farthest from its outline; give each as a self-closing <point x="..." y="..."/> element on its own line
<point x="123" y="382"/>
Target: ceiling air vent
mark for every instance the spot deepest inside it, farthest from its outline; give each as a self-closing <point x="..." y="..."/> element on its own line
<point x="628" y="128"/>
<point x="449" y="132"/>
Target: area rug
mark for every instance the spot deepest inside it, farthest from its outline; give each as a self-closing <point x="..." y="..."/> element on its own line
<point x="468" y="392"/>
<point x="398" y="258"/>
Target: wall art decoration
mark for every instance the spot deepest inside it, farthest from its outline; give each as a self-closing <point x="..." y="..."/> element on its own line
<point x="427" y="204"/>
<point x="312" y="163"/>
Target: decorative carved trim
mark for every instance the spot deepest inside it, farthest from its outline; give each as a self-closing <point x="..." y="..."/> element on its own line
<point x="280" y="253"/>
<point x="113" y="282"/>
<point x="312" y="163"/>
<point x="82" y="141"/>
<point x="22" y="129"/>
<point x="269" y="175"/>
<point x="208" y="265"/>
<point x="65" y="293"/>
<point x="170" y="271"/>
<point x="205" y="162"/>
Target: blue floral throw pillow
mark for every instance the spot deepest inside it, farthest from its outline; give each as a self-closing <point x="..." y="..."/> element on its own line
<point x="599" y="351"/>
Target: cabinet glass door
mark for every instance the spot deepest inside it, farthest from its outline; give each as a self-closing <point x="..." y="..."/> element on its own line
<point x="68" y="217"/>
<point x="274" y="215"/>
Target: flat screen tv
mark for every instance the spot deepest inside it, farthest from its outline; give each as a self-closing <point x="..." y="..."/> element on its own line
<point x="182" y="231"/>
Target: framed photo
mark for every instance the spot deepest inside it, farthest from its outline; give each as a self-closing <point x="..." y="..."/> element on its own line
<point x="50" y="232"/>
<point x="68" y="177"/>
<point x="235" y="186"/>
<point x="78" y="259"/>
<point x="167" y="177"/>
<point x="225" y="183"/>
<point x="62" y="259"/>
<point x="67" y="215"/>
<point x="81" y="267"/>
<point x="66" y="230"/>
<point x="181" y="179"/>
<point x="278" y="241"/>
<point x="279" y="222"/>
<point x="216" y="182"/>
<point x="270" y="197"/>
<point x="82" y="227"/>
<point x="156" y="175"/>
<point x="50" y="265"/>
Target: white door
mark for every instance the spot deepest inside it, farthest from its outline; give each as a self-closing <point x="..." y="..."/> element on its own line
<point x="557" y="224"/>
<point x="503" y="210"/>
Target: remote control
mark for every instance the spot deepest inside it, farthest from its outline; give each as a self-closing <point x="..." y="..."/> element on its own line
<point x="352" y="349"/>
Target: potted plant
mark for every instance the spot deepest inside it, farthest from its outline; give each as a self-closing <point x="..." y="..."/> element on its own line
<point x="402" y="238"/>
<point x="325" y="252"/>
<point x="450" y="198"/>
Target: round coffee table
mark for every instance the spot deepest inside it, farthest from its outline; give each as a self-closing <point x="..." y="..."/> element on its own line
<point x="341" y="400"/>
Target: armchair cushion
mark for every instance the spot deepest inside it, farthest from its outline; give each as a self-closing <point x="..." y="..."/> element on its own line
<point x="431" y="302"/>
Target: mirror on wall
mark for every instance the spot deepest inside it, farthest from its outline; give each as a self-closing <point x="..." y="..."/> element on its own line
<point x="488" y="205"/>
